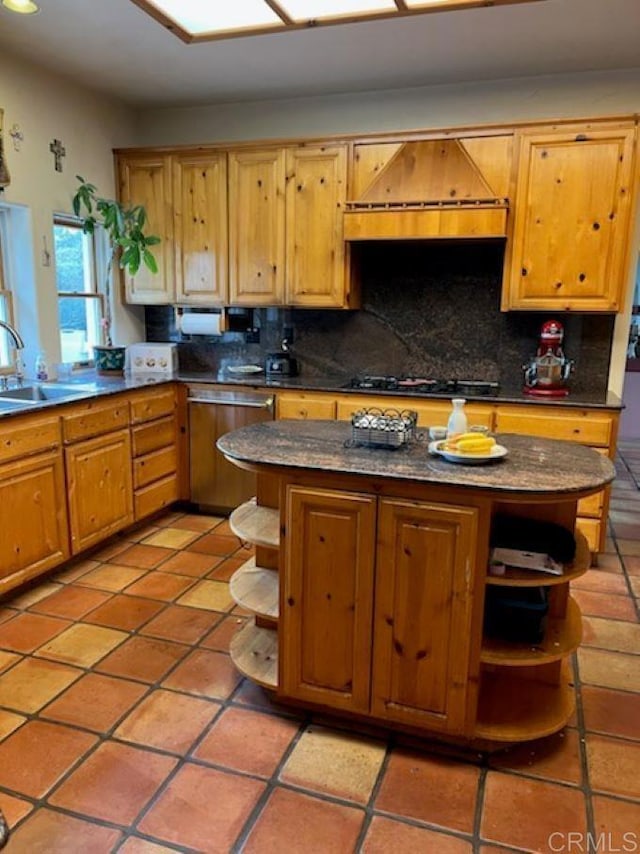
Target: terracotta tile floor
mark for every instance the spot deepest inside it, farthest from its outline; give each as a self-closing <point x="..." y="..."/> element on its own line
<point x="124" y="727"/>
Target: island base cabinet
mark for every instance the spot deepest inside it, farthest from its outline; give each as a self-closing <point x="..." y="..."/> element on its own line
<point x="425" y="566"/>
<point x="99" y="484"/>
<point x="326" y="609"/>
<point x="32" y="517"/>
<point x="376" y="612"/>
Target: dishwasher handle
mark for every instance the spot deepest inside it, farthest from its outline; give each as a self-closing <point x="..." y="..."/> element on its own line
<point x="267" y="404"/>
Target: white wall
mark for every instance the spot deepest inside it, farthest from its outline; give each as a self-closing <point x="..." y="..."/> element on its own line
<point x="582" y="95"/>
<point x="47" y="107"/>
<point x="488" y="102"/>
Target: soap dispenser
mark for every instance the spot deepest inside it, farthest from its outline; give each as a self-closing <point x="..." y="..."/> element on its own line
<point x="42" y="370"/>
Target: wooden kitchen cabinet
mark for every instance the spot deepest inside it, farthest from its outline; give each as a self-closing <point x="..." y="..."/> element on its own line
<point x="430" y="412"/>
<point x="33" y="515"/>
<point x="315" y="274"/>
<point x="98" y="470"/>
<point x="413" y="577"/>
<point x="257" y="227"/>
<point x="145" y="179"/>
<point x="99" y="488"/>
<point x="305" y="405"/>
<point x="425" y="568"/>
<point x="325" y="635"/>
<point x="286" y="208"/>
<point x="155" y="446"/>
<point x="571" y="220"/>
<point x="200" y="227"/>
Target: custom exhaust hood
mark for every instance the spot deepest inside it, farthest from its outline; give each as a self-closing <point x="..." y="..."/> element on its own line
<point x="444" y="188"/>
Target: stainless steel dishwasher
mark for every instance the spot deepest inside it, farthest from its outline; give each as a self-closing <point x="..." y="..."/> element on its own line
<point x="215" y="483"/>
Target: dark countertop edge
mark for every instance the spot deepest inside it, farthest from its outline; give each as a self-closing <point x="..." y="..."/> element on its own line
<point x="94" y="386"/>
<point x="403" y="478"/>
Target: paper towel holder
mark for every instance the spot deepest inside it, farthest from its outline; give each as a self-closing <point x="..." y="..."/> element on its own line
<point x="179" y="311"/>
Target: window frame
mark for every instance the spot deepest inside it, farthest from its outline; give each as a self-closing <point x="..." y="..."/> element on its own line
<point x="95" y="294"/>
<point x="6" y="295"/>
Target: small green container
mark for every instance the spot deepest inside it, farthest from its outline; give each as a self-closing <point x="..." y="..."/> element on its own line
<point x="109" y="360"/>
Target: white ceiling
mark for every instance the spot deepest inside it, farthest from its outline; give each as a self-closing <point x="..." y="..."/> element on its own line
<point x="114" y="47"/>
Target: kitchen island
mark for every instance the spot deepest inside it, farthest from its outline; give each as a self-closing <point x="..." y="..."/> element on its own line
<point x="369" y="579"/>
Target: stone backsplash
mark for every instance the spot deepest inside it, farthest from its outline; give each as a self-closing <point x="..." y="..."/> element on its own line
<point x="428" y="308"/>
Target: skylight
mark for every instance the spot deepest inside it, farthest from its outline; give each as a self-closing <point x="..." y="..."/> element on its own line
<point x="202" y="20"/>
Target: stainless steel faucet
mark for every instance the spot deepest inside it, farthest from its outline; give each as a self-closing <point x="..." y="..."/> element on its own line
<point x="19" y="345"/>
<point x="17" y="338"/>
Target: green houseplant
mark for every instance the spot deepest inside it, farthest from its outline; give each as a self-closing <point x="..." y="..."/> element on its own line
<point x="124" y="227"/>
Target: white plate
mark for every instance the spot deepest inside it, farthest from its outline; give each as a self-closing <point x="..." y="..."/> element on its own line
<point x="244" y="369"/>
<point x="497" y="452"/>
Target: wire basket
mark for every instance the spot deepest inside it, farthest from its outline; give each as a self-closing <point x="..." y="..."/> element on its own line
<point x="383" y="428"/>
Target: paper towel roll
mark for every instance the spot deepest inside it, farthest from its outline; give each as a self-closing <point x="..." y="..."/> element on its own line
<point x="200" y="323"/>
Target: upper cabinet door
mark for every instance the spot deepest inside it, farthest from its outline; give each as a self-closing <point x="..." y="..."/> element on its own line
<point x="571" y="225"/>
<point x="256" y="227"/>
<point x="316" y="193"/>
<point x="146" y="180"/>
<point x="200" y="223"/>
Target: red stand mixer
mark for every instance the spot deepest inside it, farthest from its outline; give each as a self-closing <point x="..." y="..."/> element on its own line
<point x="547" y="374"/>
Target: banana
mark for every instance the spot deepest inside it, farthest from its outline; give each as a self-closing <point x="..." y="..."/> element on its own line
<point x="471" y="444"/>
<point x="481" y="445"/>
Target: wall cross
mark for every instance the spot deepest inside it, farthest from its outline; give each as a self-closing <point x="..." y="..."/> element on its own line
<point x="58" y="151"/>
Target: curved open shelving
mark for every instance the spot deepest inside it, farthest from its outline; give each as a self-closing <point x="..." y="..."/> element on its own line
<point x="562" y="637"/>
<point x="256" y="524"/>
<point x="256" y="589"/>
<point x="513" y="709"/>
<point x="531" y="578"/>
<point x="254" y="652"/>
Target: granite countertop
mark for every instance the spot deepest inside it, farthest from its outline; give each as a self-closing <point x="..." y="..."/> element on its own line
<point x="535" y="466"/>
<point x="340" y="384"/>
<point x="88" y="385"/>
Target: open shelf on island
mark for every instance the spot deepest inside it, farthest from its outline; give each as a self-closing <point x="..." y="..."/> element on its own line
<point x="254" y="652"/>
<point x="561" y="638"/>
<point x="530" y="578"/>
<point x="256" y="589"/>
<point x="514" y="709"/>
<point x="256" y="524"/>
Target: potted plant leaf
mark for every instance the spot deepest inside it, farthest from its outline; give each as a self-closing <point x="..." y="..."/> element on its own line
<point x="124" y="227"/>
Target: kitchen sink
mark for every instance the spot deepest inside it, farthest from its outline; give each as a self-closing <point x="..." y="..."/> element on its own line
<point x="39" y="393"/>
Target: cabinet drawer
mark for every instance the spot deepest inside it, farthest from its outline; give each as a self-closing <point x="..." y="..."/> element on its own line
<point x="591" y="528"/>
<point x="583" y="427"/>
<point x="156" y="496"/>
<point x="28" y="436"/>
<point x="591" y="506"/>
<point x="430" y="413"/>
<point x="93" y="419"/>
<point x="299" y="406"/>
<point x="152" y="405"/>
<point x="154" y="466"/>
<point x="151" y="437"/>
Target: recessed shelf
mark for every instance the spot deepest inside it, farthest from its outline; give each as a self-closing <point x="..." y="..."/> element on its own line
<point x="561" y="638"/>
<point x="256" y="589"/>
<point x="513" y="709"/>
<point x="256" y="524"/>
<point x="254" y="652"/>
<point x="531" y="578"/>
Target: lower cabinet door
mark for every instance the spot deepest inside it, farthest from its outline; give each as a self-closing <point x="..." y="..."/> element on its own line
<point x="100" y="490"/>
<point x="326" y="604"/>
<point x="423" y="608"/>
<point x="33" y="518"/>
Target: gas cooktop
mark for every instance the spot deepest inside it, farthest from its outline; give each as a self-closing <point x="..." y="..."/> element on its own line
<point x="424" y="385"/>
